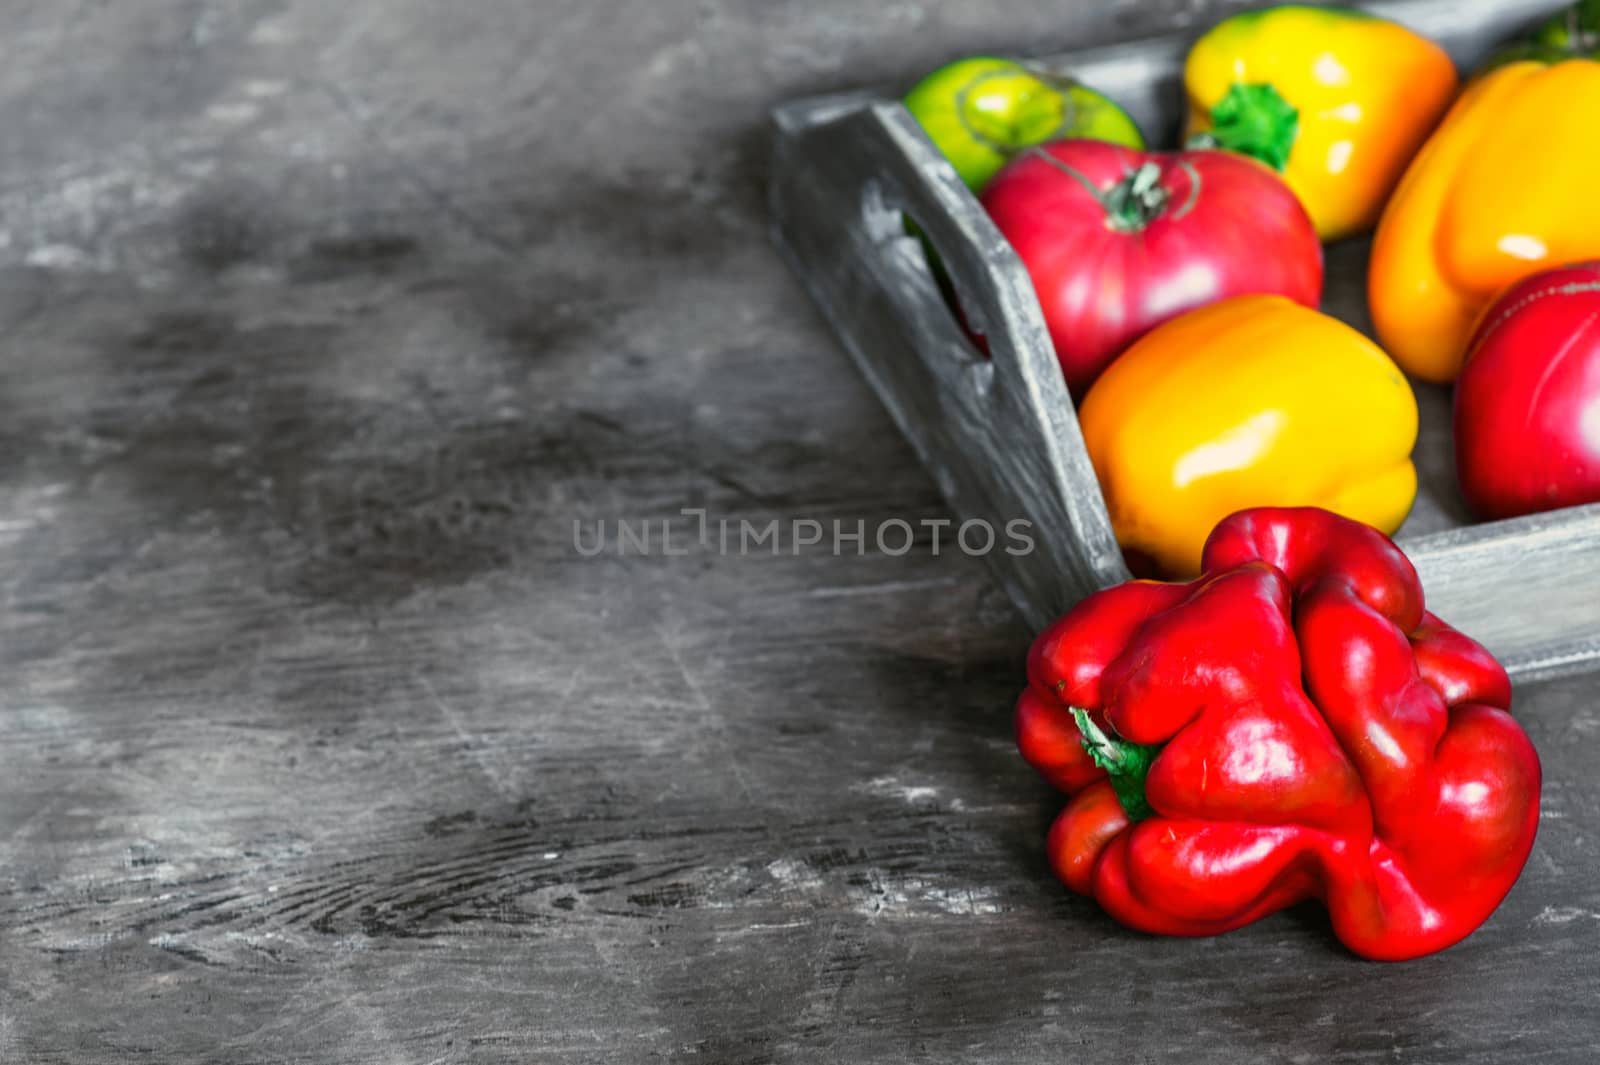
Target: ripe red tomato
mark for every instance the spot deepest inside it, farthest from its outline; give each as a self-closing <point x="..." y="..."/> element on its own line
<point x="1117" y="241"/>
<point x="1527" y="408"/>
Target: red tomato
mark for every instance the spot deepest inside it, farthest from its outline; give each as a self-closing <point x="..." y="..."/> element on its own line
<point x="1527" y="407"/>
<point x="1117" y="241"/>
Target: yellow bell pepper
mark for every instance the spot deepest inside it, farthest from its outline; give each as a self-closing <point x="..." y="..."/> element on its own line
<point x="1337" y="100"/>
<point x="1253" y="401"/>
<point x="1508" y="186"/>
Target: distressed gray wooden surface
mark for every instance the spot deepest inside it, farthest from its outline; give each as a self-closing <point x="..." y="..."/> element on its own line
<point x="1000" y="435"/>
<point x="320" y="743"/>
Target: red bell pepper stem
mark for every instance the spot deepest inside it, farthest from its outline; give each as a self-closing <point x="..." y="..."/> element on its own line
<point x="1127" y="764"/>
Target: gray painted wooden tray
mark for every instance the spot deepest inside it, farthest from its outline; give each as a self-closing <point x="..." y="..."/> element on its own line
<point x="1000" y="435"/>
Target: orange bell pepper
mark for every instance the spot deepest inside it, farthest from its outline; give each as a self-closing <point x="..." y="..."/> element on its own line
<point x="1336" y="99"/>
<point x="1508" y="186"/>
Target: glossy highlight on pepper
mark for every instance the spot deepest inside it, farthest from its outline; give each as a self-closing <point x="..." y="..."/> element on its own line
<point x="1292" y="725"/>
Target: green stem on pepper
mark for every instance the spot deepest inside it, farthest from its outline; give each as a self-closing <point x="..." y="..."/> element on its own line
<point x="1253" y="120"/>
<point x="1127" y="764"/>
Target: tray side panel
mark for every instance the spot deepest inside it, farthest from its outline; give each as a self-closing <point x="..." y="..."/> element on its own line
<point x="1528" y="589"/>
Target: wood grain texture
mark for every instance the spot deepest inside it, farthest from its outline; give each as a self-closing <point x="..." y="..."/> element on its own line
<point x="320" y="742"/>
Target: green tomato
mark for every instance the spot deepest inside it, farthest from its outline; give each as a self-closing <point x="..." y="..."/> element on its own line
<point x="981" y="111"/>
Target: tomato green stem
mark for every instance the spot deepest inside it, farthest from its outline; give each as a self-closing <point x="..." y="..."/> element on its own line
<point x="1136" y="200"/>
<point x="1132" y="203"/>
<point x="1127" y="764"/>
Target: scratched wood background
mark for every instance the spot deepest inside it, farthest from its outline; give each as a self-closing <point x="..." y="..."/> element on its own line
<point x="320" y="742"/>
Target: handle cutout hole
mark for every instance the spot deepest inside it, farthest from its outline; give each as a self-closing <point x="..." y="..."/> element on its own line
<point x="905" y="241"/>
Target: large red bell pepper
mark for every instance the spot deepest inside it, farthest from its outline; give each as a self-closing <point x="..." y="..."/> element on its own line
<point x="1291" y="725"/>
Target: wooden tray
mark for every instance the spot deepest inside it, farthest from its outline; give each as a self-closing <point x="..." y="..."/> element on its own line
<point x="1000" y="435"/>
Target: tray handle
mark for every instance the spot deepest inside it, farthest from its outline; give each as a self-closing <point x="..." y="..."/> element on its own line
<point x="921" y="186"/>
<point x="998" y="298"/>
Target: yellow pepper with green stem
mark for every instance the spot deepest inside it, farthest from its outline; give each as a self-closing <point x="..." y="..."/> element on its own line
<point x="1336" y="99"/>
